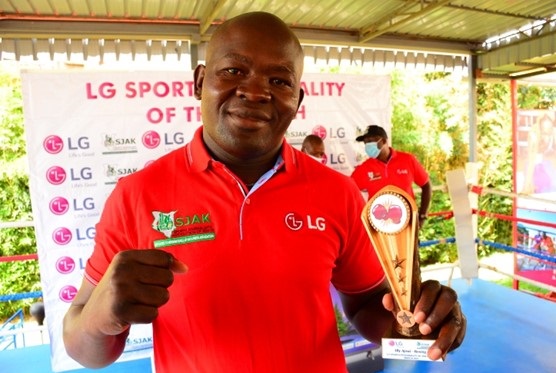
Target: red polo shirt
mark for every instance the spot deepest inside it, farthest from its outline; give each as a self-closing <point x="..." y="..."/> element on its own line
<point x="256" y="297"/>
<point x="401" y="170"/>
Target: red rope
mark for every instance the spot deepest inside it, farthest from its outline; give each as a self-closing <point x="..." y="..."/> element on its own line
<point x="511" y="218"/>
<point x="477" y="189"/>
<point x="446" y="214"/>
<point x="17" y="258"/>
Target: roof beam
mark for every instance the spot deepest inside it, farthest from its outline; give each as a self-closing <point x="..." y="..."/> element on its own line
<point x="375" y="30"/>
<point x="208" y="20"/>
<point x="112" y="29"/>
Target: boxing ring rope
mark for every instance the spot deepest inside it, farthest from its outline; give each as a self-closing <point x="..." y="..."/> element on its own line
<point x="20" y="296"/>
<point x="18" y="258"/>
<point x="511" y="218"/>
<point x="17" y="224"/>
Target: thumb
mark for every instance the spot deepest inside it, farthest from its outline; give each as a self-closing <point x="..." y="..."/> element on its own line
<point x="388" y="301"/>
<point x="177" y="267"/>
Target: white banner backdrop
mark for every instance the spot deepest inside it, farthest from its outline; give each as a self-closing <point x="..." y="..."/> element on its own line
<point x="86" y="129"/>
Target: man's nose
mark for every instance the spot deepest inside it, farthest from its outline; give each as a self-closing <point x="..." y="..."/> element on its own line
<point x="254" y="89"/>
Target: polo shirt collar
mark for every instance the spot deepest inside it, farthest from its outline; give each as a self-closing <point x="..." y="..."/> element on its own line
<point x="196" y="153"/>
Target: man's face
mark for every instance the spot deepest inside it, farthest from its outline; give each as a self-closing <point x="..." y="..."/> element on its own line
<point x="379" y="141"/>
<point x="316" y="150"/>
<point x="250" y="89"/>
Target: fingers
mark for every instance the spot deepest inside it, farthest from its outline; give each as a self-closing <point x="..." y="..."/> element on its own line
<point x="435" y="303"/>
<point x="151" y="258"/>
<point x="138" y="283"/>
<point x="136" y="313"/>
<point x="439" y="315"/>
<point x="450" y="335"/>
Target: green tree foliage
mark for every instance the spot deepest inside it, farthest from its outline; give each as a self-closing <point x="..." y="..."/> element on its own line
<point x="15" y="203"/>
<point x="429" y="120"/>
<point x="494" y="148"/>
<point x="535" y="97"/>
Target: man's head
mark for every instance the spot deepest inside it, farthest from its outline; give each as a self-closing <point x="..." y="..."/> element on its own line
<point x="375" y="139"/>
<point x="250" y="86"/>
<point x="313" y="146"/>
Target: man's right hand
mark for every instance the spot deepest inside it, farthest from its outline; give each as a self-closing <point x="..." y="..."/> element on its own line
<point x="134" y="286"/>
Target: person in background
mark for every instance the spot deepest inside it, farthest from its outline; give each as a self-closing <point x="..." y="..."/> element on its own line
<point x="537" y="241"/>
<point x="388" y="166"/>
<point x="540" y="164"/>
<point x="228" y="245"/>
<point x="548" y="244"/>
<point x="313" y="146"/>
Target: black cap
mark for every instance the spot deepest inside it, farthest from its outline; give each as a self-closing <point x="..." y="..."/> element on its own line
<point x="372" y="131"/>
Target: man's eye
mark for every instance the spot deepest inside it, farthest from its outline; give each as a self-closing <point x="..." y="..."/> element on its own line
<point x="281" y="82"/>
<point x="233" y="71"/>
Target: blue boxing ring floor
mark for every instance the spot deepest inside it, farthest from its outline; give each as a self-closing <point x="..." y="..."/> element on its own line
<point x="508" y="331"/>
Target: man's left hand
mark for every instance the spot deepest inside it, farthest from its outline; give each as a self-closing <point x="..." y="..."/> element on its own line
<point x="439" y="316"/>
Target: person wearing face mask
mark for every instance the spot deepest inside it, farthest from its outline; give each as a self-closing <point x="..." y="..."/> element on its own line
<point x="388" y="166"/>
<point x="313" y="146"/>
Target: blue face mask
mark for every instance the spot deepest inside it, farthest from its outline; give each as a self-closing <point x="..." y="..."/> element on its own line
<point x="372" y="150"/>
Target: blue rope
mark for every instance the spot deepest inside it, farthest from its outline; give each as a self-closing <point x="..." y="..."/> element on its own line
<point x="436" y="242"/>
<point x="20" y="296"/>
<point x="497" y="245"/>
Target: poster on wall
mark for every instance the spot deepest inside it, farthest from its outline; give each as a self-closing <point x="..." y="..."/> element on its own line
<point x="86" y="129"/>
<point x="535" y="180"/>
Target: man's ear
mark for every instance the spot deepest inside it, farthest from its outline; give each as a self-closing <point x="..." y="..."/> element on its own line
<point x="301" y="95"/>
<point x="199" y="76"/>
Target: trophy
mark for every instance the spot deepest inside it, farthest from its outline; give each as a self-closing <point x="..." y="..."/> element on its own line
<point x="390" y="217"/>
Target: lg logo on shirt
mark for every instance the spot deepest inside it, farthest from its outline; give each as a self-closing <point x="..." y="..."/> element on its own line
<point x="296" y="221"/>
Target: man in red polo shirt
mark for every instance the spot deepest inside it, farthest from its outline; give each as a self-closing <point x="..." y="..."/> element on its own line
<point x="387" y="166"/>
<point x="228" y="245"/>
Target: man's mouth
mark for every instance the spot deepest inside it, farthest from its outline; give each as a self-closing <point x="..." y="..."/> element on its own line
<point x="250" y="116"/>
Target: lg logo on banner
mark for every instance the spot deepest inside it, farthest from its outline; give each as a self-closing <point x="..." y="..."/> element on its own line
<point x="60" y="205"/>
<point x="54" y="144"/>
<point x="56" y="175"/>
<point x="67" y="293"/>
<point x="63" y="236"/>
<point x="65" y="265"/>
<point x="152" y="139"/>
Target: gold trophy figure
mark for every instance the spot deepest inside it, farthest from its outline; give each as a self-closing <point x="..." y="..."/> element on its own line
<point x="390" y="218"/>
